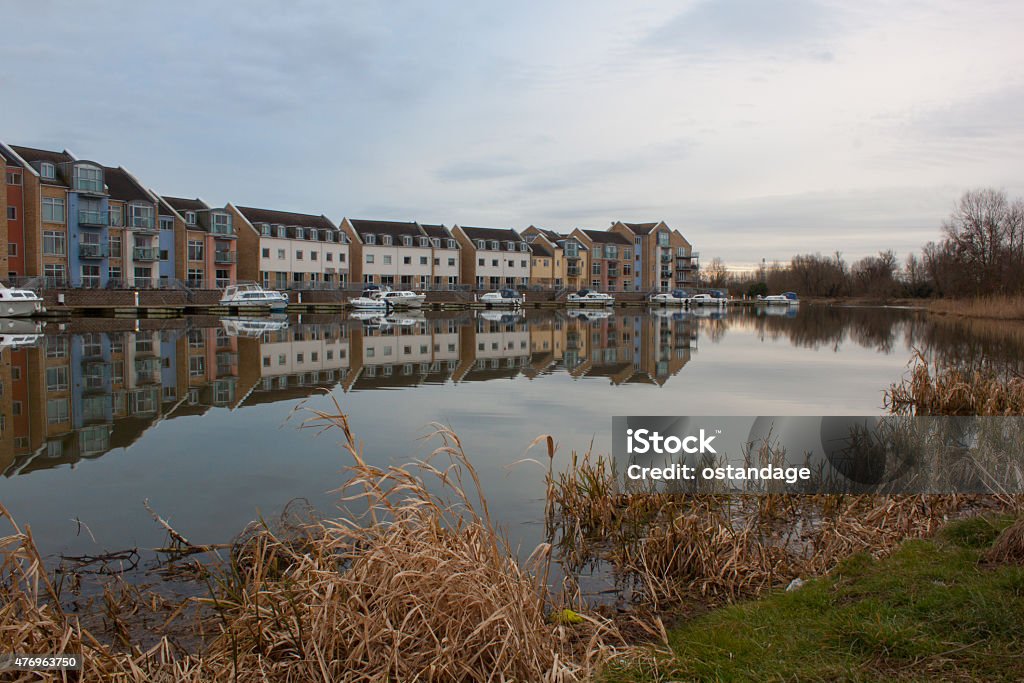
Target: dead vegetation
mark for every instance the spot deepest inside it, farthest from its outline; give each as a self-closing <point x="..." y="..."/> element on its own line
<point x="937" y="389"/>
<point x="1001" y="307"/>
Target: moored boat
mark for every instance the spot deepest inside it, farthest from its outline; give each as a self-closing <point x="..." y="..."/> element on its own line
<point x="676" y="297"/>
<point x="403" y="299"/>
<point x="19" y="303"/>
<point x="251" y="295"/>
<point x="784" y="299"/>
<point x="508" y="298"/>
<point x="589" y="296"/>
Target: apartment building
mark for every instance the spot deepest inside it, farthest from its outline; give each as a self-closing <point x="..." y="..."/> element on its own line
<point x="447" y="261"/>
<point x="287" y="250"/>
<point x="12" y="215"/>
<point x="611" y="260"/>
<point x="662" y="258"/>
<point x="205" y="242"/>
<point x="493" y="257"/>
<point x="136" y="255"/>
<point x="393" y="253"/>
<point x="575" y="257"/>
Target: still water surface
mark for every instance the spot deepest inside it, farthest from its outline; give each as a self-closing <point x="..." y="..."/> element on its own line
<point x="199" y="415"/>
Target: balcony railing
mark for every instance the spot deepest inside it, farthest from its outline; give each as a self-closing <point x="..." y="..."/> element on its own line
<point x="225" y="257"/>
<point x="97" y="218"/>
<point x="222" y="230"/>
<point x="146" y="253"/>
<point x="86" y="250"/>
<point x="89" y="186"/>
<point x="143" y="224"/>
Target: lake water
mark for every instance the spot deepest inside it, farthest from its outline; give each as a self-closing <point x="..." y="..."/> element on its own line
<point x="199" y="415"/>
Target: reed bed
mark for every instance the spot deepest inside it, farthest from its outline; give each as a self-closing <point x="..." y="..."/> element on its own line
<point x="1003" y="307"/>
<point x="933" y="388"/>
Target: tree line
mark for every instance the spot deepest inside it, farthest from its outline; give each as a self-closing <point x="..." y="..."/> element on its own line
<point x="981" y="253"/>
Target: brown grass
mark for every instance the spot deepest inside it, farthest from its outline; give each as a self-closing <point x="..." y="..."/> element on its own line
<point x="935" y="389"/>
<point x="1009" y="546"/>
<point x="1004" y="307"/>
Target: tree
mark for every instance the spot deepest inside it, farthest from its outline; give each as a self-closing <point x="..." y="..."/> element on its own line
<point x="715" y="274"/>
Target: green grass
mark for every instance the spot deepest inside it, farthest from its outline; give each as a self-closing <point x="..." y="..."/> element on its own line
<point x="930" y="611"/>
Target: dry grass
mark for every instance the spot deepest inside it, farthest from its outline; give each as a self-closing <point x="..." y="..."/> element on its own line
<point x="934" y="389"/>
<point x="1009" y="546"/>
<point x="421" y="586"/>
<point x="1005" y="307"/>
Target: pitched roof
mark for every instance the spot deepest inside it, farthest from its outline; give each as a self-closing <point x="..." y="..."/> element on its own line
<point x="393" y="228"/>
<point x="606" y="237"/>
<point x="641" y="228"/>
<point x="503" y="234"/>
<point x="437" y="231"/>
<point x="540" y="248"/>
<point x="9" y="158"/>
<point x="179" y="204"/>
<point x="121" y="185"/>
<point x="302" y="220"/>
<point x="37" y="156"/>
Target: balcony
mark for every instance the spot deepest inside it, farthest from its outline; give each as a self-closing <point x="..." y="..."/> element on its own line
<point x="666" y="258"/>
<point x="142" y="224"/>
<point x="89" y="186"/>
<point x="146" y="254"/>
<point x="95" y="218"/>
<point x="225" y="257"/>
<point x="613" y="272"/>
<point x="222" y="231"/>
<point x="88" y="250"/>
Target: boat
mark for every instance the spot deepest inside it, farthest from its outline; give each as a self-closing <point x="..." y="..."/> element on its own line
<point x="784" y="299"/>
<point x="403" y="299"/>
<point x="19" y="303"/>
<point x="253" y="327"/>
<point x="20" y="333"/>
<point x="707" y="300"/>
<point x="503" y="297"/>
<point x="677" y="297"/>
<point x="252" y="295"/>
<point x="589" y="296"/>
<point x="368" y="303"/>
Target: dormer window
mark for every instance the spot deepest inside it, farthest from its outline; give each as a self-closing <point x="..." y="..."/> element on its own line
<point x="280" y="231"/>
<point x="480" y="244"/>
<point x="451" y="244"/>
<point x="523" y="246"/>
<point x="494" y="245"/>
<point x="406" y="241"/>
<point x="511" y="246"/>
<point x="265" y="229"/>
<point x="88" y="178"/>
<point x="47" y="170"/>
<point x="190" y="217"/>
<point x="385" y="240"/>
<point x="424" y="241"/>
<point x="370" y="239"/>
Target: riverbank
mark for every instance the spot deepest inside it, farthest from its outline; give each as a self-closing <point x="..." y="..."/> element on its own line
<point x="938" y="609"/>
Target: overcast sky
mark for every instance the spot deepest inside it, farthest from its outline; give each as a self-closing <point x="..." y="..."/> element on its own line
<point x="758" y="129"/>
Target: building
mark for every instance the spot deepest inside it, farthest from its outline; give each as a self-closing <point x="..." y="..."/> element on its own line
<point x="662" y="258"/>
<point x="575" y="259"/>
<point x="546" y="262"/>
<point x="611" y="260"/>
<point x="205" y="242"/>
<point x="447" y="257"/>
<point x="12" y="215"/>
<point x="493" y="257"/>
<point x="393" y="253"/>
<point x="134" y="244"/>
<point x="287" y="250"/>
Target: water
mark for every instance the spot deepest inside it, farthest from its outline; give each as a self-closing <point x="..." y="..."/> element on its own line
<point x="199" y="416"/>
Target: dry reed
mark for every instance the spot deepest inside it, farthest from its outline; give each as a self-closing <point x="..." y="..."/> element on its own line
<point x="1004" y="307"/>
<point x="936" y="389"/>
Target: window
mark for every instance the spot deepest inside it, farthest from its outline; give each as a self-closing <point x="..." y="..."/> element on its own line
<point x="114" y="273"/>
<point x="221" y="224"/>
<point x="663" y="238"/>
<point x="12" y="249"/>
<point x="369" y="258"/>
<point x="57" y="378"/>
<point x="53" y="210"/>
<point x="451" y="244"/>
<point x="385" y="240"/>
<point x="166" y="223"/>
<point x="115" y="246"/>
<point x="451" y="262"/>
<point x="163" y="255"/>
<point x="494" y="245"/>
<point x="627" y="253"/>
<point x="681" y="252"/>
<point x="522" y="264"/>
<point x="54" y="243"/>
<point x="281" y="254"/>
<point x="494" y="262"/>
<point x="190" y="217"/>
<point x="88" y="179"/>
<point x="13" y="178"/>
<point x="298" y="255"/>
<point x="90" y="275"/>
<point x="141" y="215"/>
<point x="406" y="241"/>
<point x="195" y="277"/>
<point x="55" y="274"/>
<point x="12" y="213"/>
<point x="595" y="269"/>
<point x="387" y="260"/>
<point x="313" y="256"/>
<point x="223" y="278"/>
<point x="407" y="260"/>
<point x="423" y="260"/>
<point x="115" y="215"/>
<point x="197" y="366"/>
<point x="195" y="250"/>
<point x="280" y="231"/>
<point x="480" y="244"/>
<point x="330" y="257"/>
<point x="370" y="239"/>
<point x="47" y="170"/>
<point x="480" y="262"/>
<point x="57" y="410"/>
<point x="265" y="229"/>
<point x="266" y="252"/>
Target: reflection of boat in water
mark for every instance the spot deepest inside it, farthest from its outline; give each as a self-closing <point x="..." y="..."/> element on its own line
<point x="253" y="327"/>
<point x="16" y="333"/>
<point x="499" y="316"/>
<point x="777" y="311"/>
<point x="393" y="319"/>
<point x="589" y="314"/>
<point x="672" y="314"/>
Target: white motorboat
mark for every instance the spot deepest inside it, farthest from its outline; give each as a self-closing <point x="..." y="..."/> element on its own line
<point x="368" y="303"/>
<point x="707" y="300"/>
<point x="252" y="327"/>
<point x="504" y="298"/>
<point x="403" y="299"/>
<point x="784" y="299"/>
<point x="252" y="295"/>
<point x="677" y="297"/>
<point x="20" y="333"/>
<point x="589" y="296"/>
<point x="19" y="303"/>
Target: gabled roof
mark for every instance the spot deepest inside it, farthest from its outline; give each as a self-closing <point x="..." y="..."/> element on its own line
<point x="9" y="158"/>
<point x="393" y="228"/>
<point x="121" y="185"/>
<point x="36" y="156"/>
<point x="541" y="248"/>
<point x="438" y="231"/>
<point x="642" y="228"/>
<point x="606" y="237"/>
<point x="179" y="204"/>
<point x="503" y="234"/>
<point x="302" y="220"/>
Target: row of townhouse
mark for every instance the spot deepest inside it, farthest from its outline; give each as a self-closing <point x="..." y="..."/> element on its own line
<point x="77" y="223"/>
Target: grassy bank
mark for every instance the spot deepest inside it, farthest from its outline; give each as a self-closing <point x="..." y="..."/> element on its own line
<point x="993" y="307"/>
<point x="936" y="609"/>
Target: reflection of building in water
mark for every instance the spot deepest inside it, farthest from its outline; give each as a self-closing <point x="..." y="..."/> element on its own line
<point x="79" y="394"/>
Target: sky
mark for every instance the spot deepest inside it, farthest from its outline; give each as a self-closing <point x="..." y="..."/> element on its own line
<point x="757" y="129"/>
